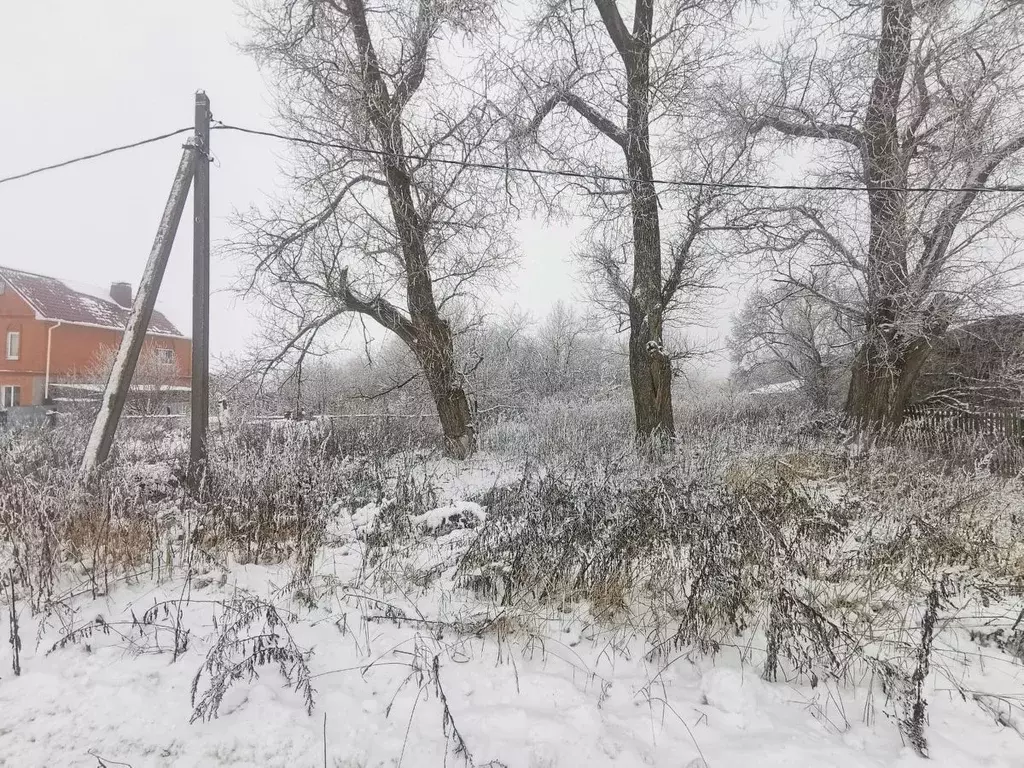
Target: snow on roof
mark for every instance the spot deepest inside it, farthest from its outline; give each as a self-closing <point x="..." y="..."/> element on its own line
<point x="775" y="389"/>
<point x="77" y="304"/>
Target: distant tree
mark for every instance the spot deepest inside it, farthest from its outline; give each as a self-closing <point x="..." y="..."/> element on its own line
<point x="153" y="383"/>
<point x="503" y="378"/>
<point x="559" y="342"/>
<point x="380" y="233"/>
<point x="785" y="333"/>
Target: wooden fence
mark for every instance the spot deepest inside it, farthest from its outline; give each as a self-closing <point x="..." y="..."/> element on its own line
<point x="1005" y="425"/>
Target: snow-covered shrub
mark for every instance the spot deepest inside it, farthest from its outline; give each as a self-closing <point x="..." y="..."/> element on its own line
<point x="379" y="435"/>
<point x="564" y="431"/>
<point x="405" y="493"/>
<point x="840" y="569"/>
<point x="454" y="516"/>
<point x="265" y="505"/>
<point x="51" y="522"/>
<point x="680" y="544"/>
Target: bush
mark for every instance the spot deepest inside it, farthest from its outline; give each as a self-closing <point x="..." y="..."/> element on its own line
<point x="842" y="570"/>
<point x="753" y="533"/>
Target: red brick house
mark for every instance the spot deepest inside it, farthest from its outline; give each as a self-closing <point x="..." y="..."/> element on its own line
<point x="54" y="333"/>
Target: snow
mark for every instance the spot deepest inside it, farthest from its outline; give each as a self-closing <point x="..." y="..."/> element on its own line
<point x="461" y="514"/>
<point x="558" y="691"/>
<point x="356" y="522"/>
<point x="135" y="387"/>
<point x="567" y="701"/>
<point x="730" y="691"/>
<point x="99" y="300"/>
<point x="123" y="700"/>
<point x="473" y="477"/>
<point x="775" y="389"/>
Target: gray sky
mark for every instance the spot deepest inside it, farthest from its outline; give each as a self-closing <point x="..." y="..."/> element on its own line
<point x="82" y="76"/>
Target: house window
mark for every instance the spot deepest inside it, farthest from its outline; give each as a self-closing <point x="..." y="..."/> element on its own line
<point x="11" y="396"/>
<point x="165" y="356"/>
<point x="13" y="345"/>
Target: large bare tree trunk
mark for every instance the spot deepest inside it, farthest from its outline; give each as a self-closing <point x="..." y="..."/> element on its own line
<point x="650" y="374"/>
<point x="650" y="369"/>
<point x="426" y="332"/>
<point x="437" y="357"/>
<point x="884" y="374"/>
<point x="881" y="381"/>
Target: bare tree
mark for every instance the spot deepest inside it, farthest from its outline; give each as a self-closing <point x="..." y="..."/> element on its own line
<point x="593" y="78"/>
<point x="899" y="96"/>
<point x="156" y="385"/>
<point x="559" y="341"/>
<point x="378" y="228"/>
<point x="786" y="333"/>
<point x="515" y="363"/>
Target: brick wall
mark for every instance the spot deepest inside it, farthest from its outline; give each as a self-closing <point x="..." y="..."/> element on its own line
<point x="74" y="353"/>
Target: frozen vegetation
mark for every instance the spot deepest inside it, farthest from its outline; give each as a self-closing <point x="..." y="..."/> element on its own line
<point x="344" y="596"/>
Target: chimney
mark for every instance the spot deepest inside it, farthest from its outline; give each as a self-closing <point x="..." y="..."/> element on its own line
<point x="122" y="294"/>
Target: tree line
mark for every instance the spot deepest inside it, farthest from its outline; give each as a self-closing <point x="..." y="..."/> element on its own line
<point x="666" y="127"/>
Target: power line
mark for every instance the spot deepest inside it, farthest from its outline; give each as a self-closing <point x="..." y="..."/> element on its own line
<point x="603" y="176"/>
<point x="94" y="155"/>
<point x="506" y="168"/>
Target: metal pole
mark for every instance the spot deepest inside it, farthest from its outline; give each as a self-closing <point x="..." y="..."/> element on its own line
<point x="120" y="378"/>
<point x="200" y="292"/>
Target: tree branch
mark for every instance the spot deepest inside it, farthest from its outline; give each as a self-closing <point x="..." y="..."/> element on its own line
<point x="617" y="30"/>
<point x="680" y="260"/>
<point x="810" y="130"/>
<point x="412" y="78"/>
<point x="388" y="390"/>
<point x="588" y="113"/>
<point x="375" y="92"/>
<point x="936" y="242"/>
<point x="378" y="308"/>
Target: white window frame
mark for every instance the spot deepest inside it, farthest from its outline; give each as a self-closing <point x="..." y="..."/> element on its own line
<point x="7" y="396"/>
<point x="166" y="356"/>
<point x="13" y="347"/>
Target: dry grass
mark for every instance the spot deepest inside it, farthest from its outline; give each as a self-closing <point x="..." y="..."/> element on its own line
<point x="751" y="528"/>
<point x="93" y="537"/>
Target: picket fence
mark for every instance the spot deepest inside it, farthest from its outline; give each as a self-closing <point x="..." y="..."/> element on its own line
<point x="1005" y="425"/>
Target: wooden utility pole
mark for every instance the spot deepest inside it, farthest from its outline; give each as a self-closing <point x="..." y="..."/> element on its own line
<point x="200" y="293"/>
<point x="116" y="392"/>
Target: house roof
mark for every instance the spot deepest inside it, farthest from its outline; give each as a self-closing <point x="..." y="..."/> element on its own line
<point x="66" y="302"/>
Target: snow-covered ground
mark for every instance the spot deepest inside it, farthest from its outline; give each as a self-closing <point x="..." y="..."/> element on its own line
<point x="430" y="675"/>
<point x="566" y="698"/>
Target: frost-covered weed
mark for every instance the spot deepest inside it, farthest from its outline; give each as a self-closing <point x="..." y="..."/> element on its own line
<point x="52" y="523"/>
<point x="251" y="634"/>
<point x="563" y="431"/>
<point x="835" y="571"/>
<point x="821" y="565"/>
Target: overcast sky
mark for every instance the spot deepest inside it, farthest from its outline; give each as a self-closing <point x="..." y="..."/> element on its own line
<point x="82" y="76"/>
